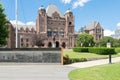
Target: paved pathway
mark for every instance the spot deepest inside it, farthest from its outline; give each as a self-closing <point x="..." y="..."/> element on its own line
<point x="15" y="71"/>
<point x="93" y="63"/>
<point x="34" y="72"/>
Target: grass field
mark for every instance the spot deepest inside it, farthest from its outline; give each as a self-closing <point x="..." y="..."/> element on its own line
<point x="88" y="56"/>
<point x="104" y="72"/>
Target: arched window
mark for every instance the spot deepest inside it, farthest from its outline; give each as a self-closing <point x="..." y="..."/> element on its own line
<point x="63" y="45"/>
<point x="49" y="44"/>
<point x="57" y="44"/>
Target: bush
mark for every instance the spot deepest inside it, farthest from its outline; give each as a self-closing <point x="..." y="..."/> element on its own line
<point x="102" y="51"/>
<point x="67" y="60"/>
<point x="80" y="49"/>
<point x="117" y="50"/>
<point x="73" y="60"/>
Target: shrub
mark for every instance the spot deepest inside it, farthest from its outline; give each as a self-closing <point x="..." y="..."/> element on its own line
<point x="73" y="60"/>
<point x="80" y="49"/>
<point x="102" y="51"/>
<point x="117" y="50"/>
<point x="67" y="60"/>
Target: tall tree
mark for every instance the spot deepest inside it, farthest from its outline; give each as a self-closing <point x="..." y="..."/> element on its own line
<point x="85" y="40"/>
<point x="3" y="27"/>
<point x="103" y="42"/>
<point x="114" y="42"/>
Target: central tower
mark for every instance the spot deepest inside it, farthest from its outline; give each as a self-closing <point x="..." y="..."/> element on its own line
<point x="58" y="28"/>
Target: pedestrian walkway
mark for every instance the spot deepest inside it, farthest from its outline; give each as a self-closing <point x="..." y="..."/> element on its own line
<point x="17" y="71"/>
<point x="31" y="71"/>
<point x="93" y="63"/>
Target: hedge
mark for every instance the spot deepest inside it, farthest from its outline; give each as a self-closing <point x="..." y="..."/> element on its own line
<point x="97" y="50"/>
<point x="80" y="49"/>
<point x="67" y="60"/>
<point x="117" y="50"/>
<point x="102" y="51"/>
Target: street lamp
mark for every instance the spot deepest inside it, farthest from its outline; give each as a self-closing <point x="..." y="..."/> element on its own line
<point x="109" y="46"/>
<point x="16" y="12"/>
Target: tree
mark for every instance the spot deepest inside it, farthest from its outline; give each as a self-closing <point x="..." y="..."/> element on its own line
<point x="39" y="39"/>
<point x="3" y="27"/>
<point x="104" y="41"/>
<point x="85" y="40"/>
<point x="116" y="43"/>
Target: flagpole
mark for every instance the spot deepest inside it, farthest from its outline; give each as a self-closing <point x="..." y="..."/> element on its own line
<point x="16" y="16"/>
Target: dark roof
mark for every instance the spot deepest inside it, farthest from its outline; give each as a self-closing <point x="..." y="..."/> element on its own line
<point x="91" y="25"/>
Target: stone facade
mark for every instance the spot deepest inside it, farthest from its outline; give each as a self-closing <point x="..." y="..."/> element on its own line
<point x="26" y="37"/>
<point x="95" y="30"/>
<point x="58" y="29"/>
<point x="32" y="55"/>
<point x="11" y="38"/>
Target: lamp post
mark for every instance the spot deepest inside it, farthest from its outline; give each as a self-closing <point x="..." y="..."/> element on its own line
<point x="109" y="46"/>
<point x="16" y="12"/>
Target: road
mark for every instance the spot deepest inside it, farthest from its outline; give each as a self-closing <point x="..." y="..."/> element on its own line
<point x="34" y="72"/>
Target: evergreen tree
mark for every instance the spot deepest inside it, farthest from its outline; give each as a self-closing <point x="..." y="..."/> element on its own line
<point x="3" y="27"/>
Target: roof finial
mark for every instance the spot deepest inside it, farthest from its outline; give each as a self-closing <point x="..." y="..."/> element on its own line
<point x="41" y="7"/>
<point x="68" y="11"/>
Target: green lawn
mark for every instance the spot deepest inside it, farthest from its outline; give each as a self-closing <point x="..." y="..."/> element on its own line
<point x="104" y="72"/>
<point x="88" y="56"/>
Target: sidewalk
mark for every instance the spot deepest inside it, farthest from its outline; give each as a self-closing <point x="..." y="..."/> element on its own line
<point x="44" y="72"/>
<point x="93" y="63"/>
<point x="34" y="71"/>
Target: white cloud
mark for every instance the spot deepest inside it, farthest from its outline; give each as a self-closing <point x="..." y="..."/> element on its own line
<point x="118" y="24"/>
<point x="21" y="23"/>
<point x="30" y="23"/>
<point x="108" y="32"/>
<point x="14" y="22"/>
<point x="24" y="25"/>
<point x="80" y="3"/>
<point x="66" y="1"/>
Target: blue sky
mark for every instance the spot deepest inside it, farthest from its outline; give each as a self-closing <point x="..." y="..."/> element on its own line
<point x="107" y="12"/>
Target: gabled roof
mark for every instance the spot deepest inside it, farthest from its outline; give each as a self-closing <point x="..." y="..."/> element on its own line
<point x="91" y="25"/>
<point x="51" y="9"/>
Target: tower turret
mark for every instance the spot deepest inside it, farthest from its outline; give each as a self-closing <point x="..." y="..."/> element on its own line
<point x="69" y="22"/>
<point x="41" y="20"/>
<point x="69" y="27"/>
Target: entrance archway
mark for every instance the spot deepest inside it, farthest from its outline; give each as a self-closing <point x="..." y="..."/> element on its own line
<point x="49" y="44"/>
<point x="63" y="45"/>
<point x="57" y="44"/>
